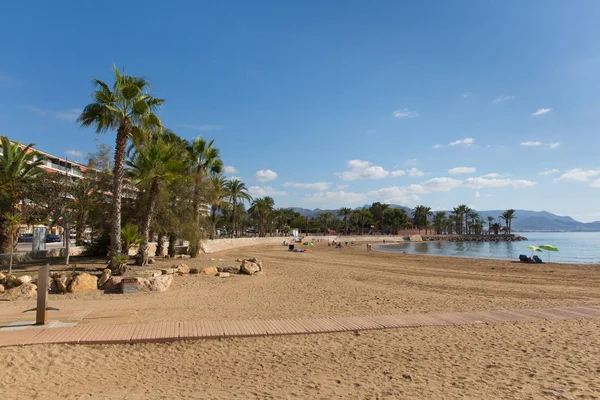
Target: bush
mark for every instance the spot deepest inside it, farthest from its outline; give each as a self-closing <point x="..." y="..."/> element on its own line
<point x="97" y="246"/>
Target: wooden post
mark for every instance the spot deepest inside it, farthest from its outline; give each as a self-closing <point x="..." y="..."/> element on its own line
<point x="42" y="295"/>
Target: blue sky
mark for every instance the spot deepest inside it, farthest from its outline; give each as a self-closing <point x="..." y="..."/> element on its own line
<point x="338" y="103"/>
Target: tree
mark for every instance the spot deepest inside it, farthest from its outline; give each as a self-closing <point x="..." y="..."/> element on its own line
<point x="362" y="218"/>
<point x="13" y="221"/>
<point x="261" y="208"/>
<point x="18" y="167"/>
<point x="326" y="219"/>
<point x="378" y="210"/>
<point x="398" y="219"/>
<point x="236" y="190"/>
<point x="420" y="216"/>
<point x="439" y="222"/>
<point x="508" y="216"/>
<point x="216" y="194"/>
<point x="125" y="108"/>
<point x="345" y="212"/>
<point x="153" y="164"/>
<point x="490" y="220"/>
<point x="204" y="159"/>
<point x="495" y="227"/>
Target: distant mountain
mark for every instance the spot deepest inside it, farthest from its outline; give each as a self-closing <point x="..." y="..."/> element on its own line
<point x="525" y="220"/>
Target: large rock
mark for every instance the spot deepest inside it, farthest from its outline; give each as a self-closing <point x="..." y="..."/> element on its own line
<point x="24" y="291"/>
<point x="61" y="282"/>
<point x="2" y="278"/>
<point x="231" y="269"/>
<point x="83" y="283"/>
<point x="415" y="238"/>
<point x="156" y="284"/>
<point x="209" y="271"/>
<point x="1" y="288"/>
<point x="113" y="285"/>
<point x="249" y="267"/>
<point x="183" y="269"/>
<point x="25" y="279"/>
<point x="223" y="274"/>
<point x="11" y="281"/>
<point x="104" y="277"/>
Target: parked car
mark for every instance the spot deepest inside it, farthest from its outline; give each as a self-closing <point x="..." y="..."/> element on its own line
<point x="25" y="238"/>
<point x="52" y="238"/>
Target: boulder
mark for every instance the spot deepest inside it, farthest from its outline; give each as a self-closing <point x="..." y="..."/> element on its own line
<point x="223" y="274"/>
<point x="232" y="269"/>
<point x="156" y="284"/>
<point x="11" y="281"/>
<point x="249" y="267"/>
<point x="2" y="278"/>
<point x="238" y="260"/>
<point x="25" y="279"/>
<point x="61" y="281"/>
<point x="415" y="238"/>
<point x="24" y="291"/>
<point x="1" y="288"/>
<point x="194" y="271"/>
<point x="83" y="283"/>
<point x="151" y="261"/>
<point x="209" y="271"/>
<point x="113" y="285"/>
<point x="183" y="269"/>
<point x="104" y="277"/>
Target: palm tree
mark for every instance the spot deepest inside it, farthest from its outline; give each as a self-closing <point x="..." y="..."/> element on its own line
<point x="236" y="190"/>
<point x="327" y="219"/>
<point x="508" y="216"/>
<point x="474" y="216"/>
<point x="125" y="108"/>
<point x="495" y="227"/>
<point x="361" y="218"/>
<point x="490" y="220"/>
<point x="13" y="221"/>
<point x="204" y="159"/>
<point x="462" y="211"/>
<point x="154" y="164"/>
<point x="18" y="167"/>
<point x="217" y="192"/>
<point x="262" y="207"/>
<point x="345" y="213"/>
<point x="439" y="222"/>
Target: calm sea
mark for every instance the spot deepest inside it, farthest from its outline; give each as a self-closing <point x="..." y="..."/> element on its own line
<point x="574" y="247"/>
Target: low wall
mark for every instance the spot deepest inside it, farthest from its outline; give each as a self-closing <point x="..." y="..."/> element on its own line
<point x="38" y="255"/>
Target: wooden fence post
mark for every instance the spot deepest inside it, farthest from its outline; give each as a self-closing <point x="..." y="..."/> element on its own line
<point x="42" y="295"/>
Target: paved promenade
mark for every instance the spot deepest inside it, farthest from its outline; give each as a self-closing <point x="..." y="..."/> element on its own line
<point x="194" y="330"/>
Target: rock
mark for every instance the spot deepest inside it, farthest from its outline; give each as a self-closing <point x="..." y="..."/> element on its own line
<point x="209" y="271"/>
<point x="151" y="261"/>
<point x="168" y="271"/>
<point x="2" y="278"/>
<point x="254" y="260"/>
<point x="1" y="288"/>
<point x="415" y="238"/>
<point x="83" y="283"/>
<point x="26" y="290"/>
<point x="238" y="260"/>
<point x="25" y="279"/>
<point x="249" y="267"/>
<point x="61" y="281"/>
<point x="223" y="274"/>
<point x="212" y="259"/>
<point x="232" y="269"/>
<point x="194" y="271"/>
<point x="113" y="285"/>
<point x="156" y="284"/>
<point x="11" y="281"/>
<point x="183" y="269"/>
<point x="104" y="277"/>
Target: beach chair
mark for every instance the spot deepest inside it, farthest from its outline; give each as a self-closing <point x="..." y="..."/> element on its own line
<point x="523" y="258"/>
<point x="537" y="260"/>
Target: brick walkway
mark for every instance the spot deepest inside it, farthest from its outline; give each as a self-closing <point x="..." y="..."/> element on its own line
<point x="189" y="330"/>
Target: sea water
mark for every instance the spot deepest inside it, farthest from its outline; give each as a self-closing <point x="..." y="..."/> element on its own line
<point x="574" y="247"/>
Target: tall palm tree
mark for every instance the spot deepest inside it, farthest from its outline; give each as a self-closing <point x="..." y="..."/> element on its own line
<point x="327" y="219"/>
<point x="124" y="108"/>
<point x="345" y="213"/>
<point x="490" y="220"/>
<point x="439" y="221"/>
<point x="362" y="218"/>
<point x="217" y="192"/>
<point x="152" y="165"/>
<point x="18" y="167"/>
<point x="236" y="190"/>
<point x="508" y="216"/>
<point x="204" y="159"/>
<point x="262" y="207"/>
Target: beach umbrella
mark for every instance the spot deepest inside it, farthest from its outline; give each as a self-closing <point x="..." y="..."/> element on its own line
<point x="548" y="248"/>
<point x="534" y="248"/>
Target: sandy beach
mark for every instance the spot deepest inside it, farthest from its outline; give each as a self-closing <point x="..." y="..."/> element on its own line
<point x="541" y="359"/>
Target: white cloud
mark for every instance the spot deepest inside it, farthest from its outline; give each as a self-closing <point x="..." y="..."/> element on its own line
<point x="437" y="146"/>
<point x="462" y="170"/>
<point x="265" y="175"/>
<point x="492" y="175"/>
<point x="479" y="183"/>
<point x="394" y="194"/>
<point x="360" y="169"/>
<point x="462" y="142"/>
<point x="553" y="145"/>
<point x="550" y="171"/>
<point x="477" y="195"/>
<point x="74" y="153"/>
<point x="411" y="162"/>
<point x="595" y="184"/>
<point x="68" y="115"/>
<point x="414" y="172"/>
<point x="439" y="184"/>
<point x="341" y="187"/>
<point x="395" y="174"/>
<point x="320" y="186"/>
<point x="503" y="98"/>
<point x="229" y="169"/>
<point x="261" y="191"/>
<point x="531" y="143"/>
<point x="203" y="128"/>
<point x="578" y="175"/>
<point x="541" y="111"/>
<point x="405" y="112"/>
<point x="340" y="197"/>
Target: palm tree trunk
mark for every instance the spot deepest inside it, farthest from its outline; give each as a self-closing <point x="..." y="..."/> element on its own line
<point x="171" y="248"/>
<point x="119" y="171"/>
<point x="213" y="222"/>
<point x="195" y="240"/>
<point x="12" y="244"/>
<point x="142" y="256"/>
<point x="234" y="216"/>
<point x="160" y="244"/>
